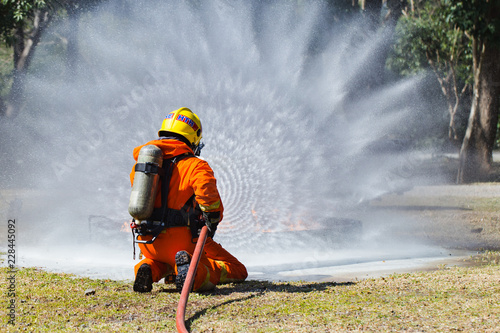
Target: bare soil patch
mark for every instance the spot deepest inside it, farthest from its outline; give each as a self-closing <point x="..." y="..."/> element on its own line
<point x="453" y="216"/>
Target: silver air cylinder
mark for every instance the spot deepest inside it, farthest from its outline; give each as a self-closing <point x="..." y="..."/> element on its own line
<point x="146" y="181"/>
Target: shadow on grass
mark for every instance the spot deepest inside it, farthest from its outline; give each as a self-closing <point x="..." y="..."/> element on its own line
<point x="258" y="288"/>
<point x="253" y="286"/>
<point x="201" y="313"/>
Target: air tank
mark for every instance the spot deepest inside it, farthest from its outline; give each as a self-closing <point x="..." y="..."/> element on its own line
<point x="146" y="181"/>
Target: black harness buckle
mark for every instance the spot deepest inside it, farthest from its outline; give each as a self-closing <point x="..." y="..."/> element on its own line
<point x="148" y="167"/>
<point x="145" y="229"/>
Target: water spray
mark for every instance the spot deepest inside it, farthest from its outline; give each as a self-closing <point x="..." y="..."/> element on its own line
<point x="287" y="144"/>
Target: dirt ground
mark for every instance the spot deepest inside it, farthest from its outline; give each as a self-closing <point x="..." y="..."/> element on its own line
<point x="454" y="216"/>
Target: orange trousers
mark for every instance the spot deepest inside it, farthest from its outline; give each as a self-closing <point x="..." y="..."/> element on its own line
<point x="216" y="264"/>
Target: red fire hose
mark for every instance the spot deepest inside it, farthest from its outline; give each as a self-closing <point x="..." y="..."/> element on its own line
<point x="188" y="284"/>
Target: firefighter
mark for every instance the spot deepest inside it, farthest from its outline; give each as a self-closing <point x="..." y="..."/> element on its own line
<point x="190" y="199"/>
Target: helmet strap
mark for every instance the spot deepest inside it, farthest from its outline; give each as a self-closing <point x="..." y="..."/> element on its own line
<point x="197" y="149"/>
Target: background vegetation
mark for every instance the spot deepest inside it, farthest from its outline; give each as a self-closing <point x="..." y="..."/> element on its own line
<point x="454" y="41"/>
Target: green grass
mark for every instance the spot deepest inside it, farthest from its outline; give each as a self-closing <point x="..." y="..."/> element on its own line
<point x="448" y="299"/>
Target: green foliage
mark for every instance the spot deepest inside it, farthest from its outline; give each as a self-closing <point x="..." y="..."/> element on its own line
<point x="425" y="39"/>
<point x="20" y="9"/>
<point x="473" y="16"/>
<point x="15" y="13"/>
<point x="19" y="13"/>
<point x="439" y="32"/>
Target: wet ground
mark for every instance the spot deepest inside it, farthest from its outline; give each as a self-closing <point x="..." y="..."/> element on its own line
<point x="425" y="228"/>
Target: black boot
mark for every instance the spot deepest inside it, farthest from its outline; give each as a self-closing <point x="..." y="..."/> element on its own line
<point x="144" y="279"/>
<point x="182" y="260"/>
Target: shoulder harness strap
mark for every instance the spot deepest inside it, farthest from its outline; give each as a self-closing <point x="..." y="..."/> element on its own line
<point x="168" y="216"/>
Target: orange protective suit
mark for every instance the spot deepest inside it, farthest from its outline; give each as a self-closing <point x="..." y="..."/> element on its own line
<point x="189" y="176"/>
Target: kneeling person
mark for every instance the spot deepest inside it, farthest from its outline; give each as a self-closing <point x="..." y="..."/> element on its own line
<point x="187" y="191"/>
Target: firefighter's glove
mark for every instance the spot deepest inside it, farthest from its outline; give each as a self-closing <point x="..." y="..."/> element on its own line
<point x="211" y="220"/>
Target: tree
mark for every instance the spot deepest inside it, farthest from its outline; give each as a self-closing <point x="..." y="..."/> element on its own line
<point x="480" y="19"/>
<point x="21" y="26"/>
<point x="395" y="9"/>
<point x="426" y="41"/>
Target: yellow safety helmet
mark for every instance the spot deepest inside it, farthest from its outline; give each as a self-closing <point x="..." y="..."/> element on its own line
<point x="183" y="122"/>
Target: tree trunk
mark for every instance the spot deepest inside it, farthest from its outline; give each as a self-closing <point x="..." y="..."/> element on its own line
<point x="20" y="60"/>
<point x="2" y="106"/>
<point x="72" y="51"/>
<point x="24" y="48"/>
<point x="476" y="153"/>
<point x="372" y="10"/>
<point x="395" y="10"/>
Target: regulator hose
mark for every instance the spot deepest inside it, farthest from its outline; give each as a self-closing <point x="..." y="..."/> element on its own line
<point x="188" y="284"/>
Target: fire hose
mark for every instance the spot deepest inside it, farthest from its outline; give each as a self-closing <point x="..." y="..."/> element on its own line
<point x="188" y="283"/>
